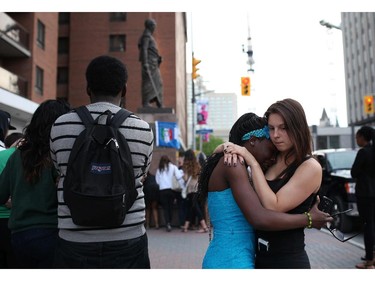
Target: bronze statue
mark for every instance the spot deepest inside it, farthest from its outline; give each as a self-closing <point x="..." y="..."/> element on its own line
<point x="152" y="85"/>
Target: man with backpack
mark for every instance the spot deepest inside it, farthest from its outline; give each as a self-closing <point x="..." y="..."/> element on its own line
<point x="101" y="210"/>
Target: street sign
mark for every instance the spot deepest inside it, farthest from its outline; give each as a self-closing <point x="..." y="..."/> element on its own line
<point x="204" y="131"/>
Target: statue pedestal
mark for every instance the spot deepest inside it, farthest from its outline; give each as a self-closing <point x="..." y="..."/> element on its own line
<point x="154" y="110"/>
<point x="150" y="115"/>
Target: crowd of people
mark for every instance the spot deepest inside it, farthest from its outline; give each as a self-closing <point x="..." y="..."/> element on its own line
<point x="255" y="194"/>
<point x="36" y="226"/>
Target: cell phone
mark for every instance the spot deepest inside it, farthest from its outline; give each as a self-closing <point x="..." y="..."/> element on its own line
<point x="326" y="205"/>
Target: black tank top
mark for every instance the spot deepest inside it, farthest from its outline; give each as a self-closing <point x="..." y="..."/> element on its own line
<point x="286" y="241"/>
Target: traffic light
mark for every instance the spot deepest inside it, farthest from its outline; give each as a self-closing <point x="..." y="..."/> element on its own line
<point x="194" y="73"/>
<point x="245" y="86"/>
<point x="368" y="104"/>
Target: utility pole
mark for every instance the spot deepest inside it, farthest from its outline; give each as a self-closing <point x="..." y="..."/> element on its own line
<point x="193" y="107"/>
<point x="194" y="75"/>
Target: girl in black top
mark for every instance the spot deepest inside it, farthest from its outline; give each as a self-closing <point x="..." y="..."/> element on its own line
<point x="363" y="170"/>
<point x="290" y="185"/>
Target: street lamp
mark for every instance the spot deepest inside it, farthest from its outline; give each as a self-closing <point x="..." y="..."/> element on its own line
<point x="329" y="25"/>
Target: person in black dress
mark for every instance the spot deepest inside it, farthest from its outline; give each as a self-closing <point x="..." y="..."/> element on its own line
<point x="363" y="171"/>
<point x="151" y="191"/>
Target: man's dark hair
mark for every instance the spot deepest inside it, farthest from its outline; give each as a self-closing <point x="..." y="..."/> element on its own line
<point x="12" y="138"/>
<point x="106" y="76"/>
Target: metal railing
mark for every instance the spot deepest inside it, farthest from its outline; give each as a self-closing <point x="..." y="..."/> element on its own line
<point x="14" y="30"/>
<point x="13" y="83"/>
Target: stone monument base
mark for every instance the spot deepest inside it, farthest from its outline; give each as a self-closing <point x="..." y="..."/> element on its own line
<point x="150" y="115"/>
<point x="154" y="110"/>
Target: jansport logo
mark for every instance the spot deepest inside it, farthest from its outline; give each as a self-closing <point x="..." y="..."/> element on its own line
<point x="101" y="168"/>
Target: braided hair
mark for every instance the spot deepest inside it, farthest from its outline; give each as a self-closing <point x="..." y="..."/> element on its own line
<point x="246" y="123"/>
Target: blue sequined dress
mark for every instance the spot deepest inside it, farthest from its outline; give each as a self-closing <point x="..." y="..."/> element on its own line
<point x="233" y="240"/>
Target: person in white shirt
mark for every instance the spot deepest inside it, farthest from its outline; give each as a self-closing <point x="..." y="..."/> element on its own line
<point x="164" y="177"/>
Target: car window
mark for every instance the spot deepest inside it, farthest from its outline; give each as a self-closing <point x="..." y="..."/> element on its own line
<point x="341" y="160"/>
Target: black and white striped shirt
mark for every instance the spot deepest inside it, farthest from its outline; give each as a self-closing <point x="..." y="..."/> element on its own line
<point x="140" y="138"/>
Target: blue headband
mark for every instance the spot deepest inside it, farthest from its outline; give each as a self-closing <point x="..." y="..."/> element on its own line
<point x="260" y="133"/>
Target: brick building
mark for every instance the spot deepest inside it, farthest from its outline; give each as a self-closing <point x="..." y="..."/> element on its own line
<point x="44" y="56"/>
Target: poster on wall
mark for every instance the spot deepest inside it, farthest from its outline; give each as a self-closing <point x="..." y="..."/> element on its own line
<point x="167" y="134"/>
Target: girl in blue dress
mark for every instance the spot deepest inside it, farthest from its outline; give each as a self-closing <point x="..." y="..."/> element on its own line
<point x="233" y="205"/>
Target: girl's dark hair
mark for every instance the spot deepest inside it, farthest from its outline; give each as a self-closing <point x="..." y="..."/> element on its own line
<point x="163" y="163"/>
<point x="368" y="133"/>
<point x="246" y="123"/>
<point x="296" y="126"/>
<point x="35" y="149"/>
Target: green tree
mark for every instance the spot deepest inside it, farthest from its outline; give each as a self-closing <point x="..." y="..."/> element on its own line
<point x="209" y="147"/>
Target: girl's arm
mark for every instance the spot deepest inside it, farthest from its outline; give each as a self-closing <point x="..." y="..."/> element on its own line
<point x="305" y="181"/>
<point x="260" y="217"/>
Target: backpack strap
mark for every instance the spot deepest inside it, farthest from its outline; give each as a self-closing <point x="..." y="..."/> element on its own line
<point x="120" y="117"/>
<point x="85" y="115"/>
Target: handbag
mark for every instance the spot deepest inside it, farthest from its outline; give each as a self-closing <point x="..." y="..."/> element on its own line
<point x="176" y="186"/>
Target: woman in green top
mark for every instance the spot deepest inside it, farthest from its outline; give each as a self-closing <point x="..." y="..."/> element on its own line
<point x="29" y="178"/>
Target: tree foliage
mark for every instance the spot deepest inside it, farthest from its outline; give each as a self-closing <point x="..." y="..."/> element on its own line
<point x="209" y="147"/>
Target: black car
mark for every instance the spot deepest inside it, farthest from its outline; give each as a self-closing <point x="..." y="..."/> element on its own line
<point x="338" y="185"/>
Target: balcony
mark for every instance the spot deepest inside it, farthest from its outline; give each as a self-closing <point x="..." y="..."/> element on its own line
<point x="13" y="83"/>
<point x="14" y="39"/>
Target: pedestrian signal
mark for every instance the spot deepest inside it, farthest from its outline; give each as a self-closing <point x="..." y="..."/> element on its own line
<point x="245" y="86"/>
<point x="368" y="104"/>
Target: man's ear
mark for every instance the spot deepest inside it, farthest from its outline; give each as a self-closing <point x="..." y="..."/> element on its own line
<point x="123" y="91"/>
<point x="88" y="91"/>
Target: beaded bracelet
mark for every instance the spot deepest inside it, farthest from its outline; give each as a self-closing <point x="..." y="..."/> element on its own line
<point x="309" y="220"/>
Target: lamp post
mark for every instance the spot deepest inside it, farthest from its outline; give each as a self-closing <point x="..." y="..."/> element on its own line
<point x="329" y="25"/>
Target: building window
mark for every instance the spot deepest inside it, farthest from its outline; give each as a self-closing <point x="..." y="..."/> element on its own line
<point x="334" y="142"/>
<point x="117" y="43"/>
<point x="41" y="34"/>
<point x="322" y="142"/>
<point x="64" y="18"/>
<point x="121" y="16"/>
<point x="62" y="75"/>
<point x="63" y="47"/>
<point x="39" y="77"/>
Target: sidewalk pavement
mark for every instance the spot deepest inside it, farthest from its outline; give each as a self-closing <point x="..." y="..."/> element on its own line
<point x="178" y="250"/>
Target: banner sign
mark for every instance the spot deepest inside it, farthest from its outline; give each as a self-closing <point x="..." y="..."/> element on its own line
<point x="167" y="134"/>
<point x="202" y="112"/>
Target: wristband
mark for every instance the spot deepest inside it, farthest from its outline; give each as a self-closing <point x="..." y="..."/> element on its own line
<point x="309" y="220"/>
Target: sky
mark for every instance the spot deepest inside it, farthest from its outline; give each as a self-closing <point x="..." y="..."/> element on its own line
<point x="295" y="57"/>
